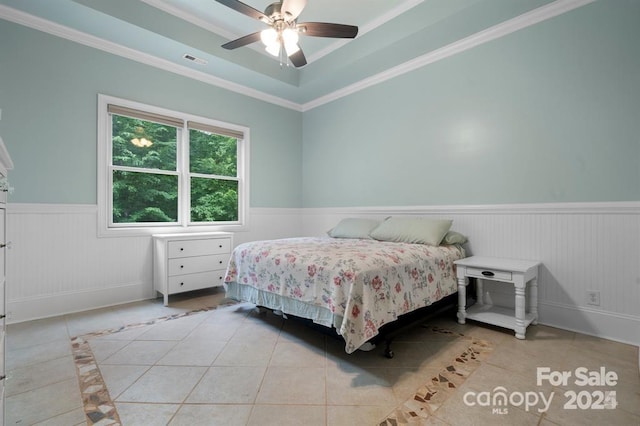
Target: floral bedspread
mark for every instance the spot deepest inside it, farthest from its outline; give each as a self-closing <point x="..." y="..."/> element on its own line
<point x="368" y="283"/>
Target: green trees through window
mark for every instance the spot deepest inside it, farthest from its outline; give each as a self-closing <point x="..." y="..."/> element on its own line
<point x="211" y="158"/>
<point x="149" y="173"/>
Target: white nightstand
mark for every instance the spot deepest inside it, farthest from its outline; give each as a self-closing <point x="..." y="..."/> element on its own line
<point x="513" y="271"/>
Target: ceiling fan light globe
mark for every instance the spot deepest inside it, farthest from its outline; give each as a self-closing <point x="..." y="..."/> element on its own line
<point x="273" y="49"/>
<point x="269" y="37"/>
<point x="290" y="36"/>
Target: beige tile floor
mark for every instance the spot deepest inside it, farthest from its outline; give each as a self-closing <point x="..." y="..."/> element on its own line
<point x="232" y="366"/>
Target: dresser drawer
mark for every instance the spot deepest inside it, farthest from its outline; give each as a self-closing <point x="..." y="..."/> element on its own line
<point x="490" y="274"/>
<point x="191" y="265"/>
<point x="180" y="283"/>
<point x="187" y="248"/>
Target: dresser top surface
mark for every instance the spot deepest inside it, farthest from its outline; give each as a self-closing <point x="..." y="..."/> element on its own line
<point x="192" y="235"/>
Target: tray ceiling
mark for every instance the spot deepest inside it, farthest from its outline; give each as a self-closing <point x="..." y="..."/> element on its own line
<point x="392" y="34"/>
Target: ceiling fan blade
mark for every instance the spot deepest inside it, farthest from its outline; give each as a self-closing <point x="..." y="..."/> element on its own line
<point x="245" y="9"/>
<point x="297" y="59"/>
<point x="242" y="41"/>
<point x="323" y="29"/>
<point x="292" y="8"/>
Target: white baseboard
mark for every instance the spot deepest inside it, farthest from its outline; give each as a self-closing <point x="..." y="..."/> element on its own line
<point x="606" y="325"/>
<point x="47" y="306"/>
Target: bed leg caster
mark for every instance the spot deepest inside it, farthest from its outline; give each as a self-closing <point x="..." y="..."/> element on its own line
<point x="387" y="351"/>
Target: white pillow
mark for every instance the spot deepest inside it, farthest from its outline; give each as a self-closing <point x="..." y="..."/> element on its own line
<point x="453" y="237"/>
<point x="353" y="228"/>
<point x="417" y="230"/>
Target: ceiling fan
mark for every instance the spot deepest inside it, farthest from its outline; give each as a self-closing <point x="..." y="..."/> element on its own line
<point x="281" y="39"/>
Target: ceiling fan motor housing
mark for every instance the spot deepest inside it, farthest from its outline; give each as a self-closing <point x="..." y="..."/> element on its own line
<point x="274" y="11"/>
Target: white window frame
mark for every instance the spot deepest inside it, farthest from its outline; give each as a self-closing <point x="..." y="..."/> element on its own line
<point x="106" y="227"/>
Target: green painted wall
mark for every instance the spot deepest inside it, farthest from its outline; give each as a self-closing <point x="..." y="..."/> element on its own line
<point x="48" y="97"/>
<point x="550" y="113"/>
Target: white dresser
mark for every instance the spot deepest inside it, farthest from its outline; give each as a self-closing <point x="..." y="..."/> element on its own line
<point x="5" y="165"/>
<point x="185" y="262"/>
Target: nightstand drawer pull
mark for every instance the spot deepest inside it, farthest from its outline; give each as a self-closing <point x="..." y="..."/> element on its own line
<point x="488" y="273"/>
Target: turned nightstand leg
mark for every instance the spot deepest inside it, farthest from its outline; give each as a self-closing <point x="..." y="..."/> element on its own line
<point x="462" y="300"/>
<point x="533" y="303"/>
<point x="520" y="327"/>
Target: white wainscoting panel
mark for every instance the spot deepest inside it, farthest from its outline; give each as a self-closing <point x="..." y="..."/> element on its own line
<point x="58" y="265"/>
<point x="582" y="246"/>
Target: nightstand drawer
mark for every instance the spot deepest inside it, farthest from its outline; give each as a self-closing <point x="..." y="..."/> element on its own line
<point x="202" y="247"/>
<point x="490" y="274"/>
<point x="180" y="283"/>
<point x="191" y="265"/>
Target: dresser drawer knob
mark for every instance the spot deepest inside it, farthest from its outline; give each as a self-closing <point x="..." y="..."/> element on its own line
<point x="220" y="246"/>
<point x="181" y="248"/>
<point x="181" y="266"/>
<point x="181" y="284"/>
<point x="488" y="273"/>
<point x="7" y="245"/>
<point x="2" y="316"/>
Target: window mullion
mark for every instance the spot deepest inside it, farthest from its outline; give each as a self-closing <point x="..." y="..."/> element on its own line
<point x="142" y="170"/>
<point x="208" y="176"/>
<point x="184" y="194"/>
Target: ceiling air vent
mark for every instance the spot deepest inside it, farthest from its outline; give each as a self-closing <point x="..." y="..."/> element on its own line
<point x="194" y="59"/>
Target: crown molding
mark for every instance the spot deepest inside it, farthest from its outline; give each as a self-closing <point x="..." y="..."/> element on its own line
<point x="497" y="31"/>
<point x="193" y="19"/>
<point x="58" y="30"/>
<point x="502" y="29"/>
<point x="196" y="20"/>
<point x="369" y="26"/>
<point x="202" y="23"/>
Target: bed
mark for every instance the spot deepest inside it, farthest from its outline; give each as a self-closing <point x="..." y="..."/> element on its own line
<point x="354" y="285"/>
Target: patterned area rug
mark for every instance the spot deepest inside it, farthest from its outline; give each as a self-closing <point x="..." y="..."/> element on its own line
<point x="429" y="397"/>
<point x="98" y="406"/>
<point x="100" y="409"/>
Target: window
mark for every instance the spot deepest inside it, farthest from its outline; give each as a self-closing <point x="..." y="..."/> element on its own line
<point x="161" y="169"/>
